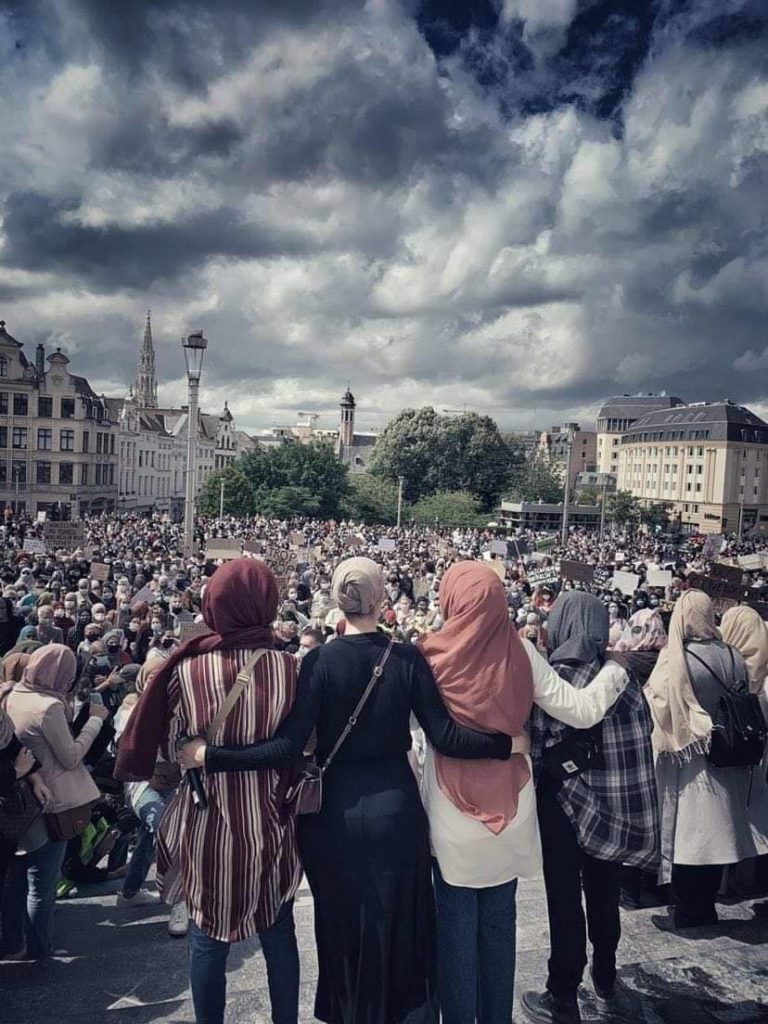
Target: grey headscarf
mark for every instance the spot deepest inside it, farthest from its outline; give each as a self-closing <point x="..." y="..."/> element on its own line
<point x="358" y="586"/>
<point x="577" y="628"/>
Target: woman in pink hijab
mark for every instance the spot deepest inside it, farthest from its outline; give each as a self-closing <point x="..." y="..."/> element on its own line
<point x="482" y="814"/>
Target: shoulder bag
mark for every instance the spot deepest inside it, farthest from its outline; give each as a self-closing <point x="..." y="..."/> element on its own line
<point x="305" y="796"/>
<point x="18" y="811"/>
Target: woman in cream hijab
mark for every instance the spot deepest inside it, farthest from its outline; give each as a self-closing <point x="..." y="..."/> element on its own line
<point x="710" y="816"/>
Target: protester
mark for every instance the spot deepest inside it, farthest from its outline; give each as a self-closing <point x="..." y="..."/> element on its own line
<point x="684" y="691"/>
<point x="238" y="848"/>
<point x="40" y="708"/>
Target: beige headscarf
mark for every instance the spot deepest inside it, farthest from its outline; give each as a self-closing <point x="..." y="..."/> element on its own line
<point x="358" y="586"/>
<point x="743" y="628"/>
<point x="681" y="725"/>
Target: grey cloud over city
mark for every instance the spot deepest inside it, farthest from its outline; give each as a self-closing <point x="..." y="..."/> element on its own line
<point x="519" y="207"/>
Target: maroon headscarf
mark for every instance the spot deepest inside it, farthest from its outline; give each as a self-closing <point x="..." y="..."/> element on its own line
<point x="239" y="605"/>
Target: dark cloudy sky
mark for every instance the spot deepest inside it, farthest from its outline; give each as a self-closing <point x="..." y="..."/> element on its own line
<point x="521" y="206"/>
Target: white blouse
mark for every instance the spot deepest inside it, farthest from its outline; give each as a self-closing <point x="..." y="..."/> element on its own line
<point x="468" y="853"/>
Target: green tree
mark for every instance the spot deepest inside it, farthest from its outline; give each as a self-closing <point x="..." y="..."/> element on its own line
<point x="371" y="500"/>
<point x="309" y="476"/>
<point x="448" y="508"/>
<point x="238" y="494"/>
<point x="536" y="480"/>
<point x="623" y="508"/>
<point x="444" y="453"/>
<point x="655" y="515"/>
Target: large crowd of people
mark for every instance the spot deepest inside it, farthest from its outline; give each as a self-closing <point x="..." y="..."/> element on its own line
<point x="412" y="718"/>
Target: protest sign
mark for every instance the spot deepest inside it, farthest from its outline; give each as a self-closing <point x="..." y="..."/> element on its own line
<point x="354" y="542"/>
<point x="41" y="517"/>
<point x="602" y="575"/>
<point x="187" y="630"/>
<point x="621" y="557"/>
<point x="387" y="544"/>
<point x="732" y="573"/>
<point x="145" y="595"/>
<point x="499" y="547"/>
<point x="658" y="577"/>
<point x="280" y="561"/>
<point x="538" y="556"/>
<point x="69" y="535"/>
<point x="34" y="546"/>
<point x="547" y="576"/>
<point x="222" y="548"/>
<point x="518" y="547"/>
<point x="99" y="571"/>
<point x="420" y="589"/>
<point x="577" y="571"/>
<point x="626" y="582"/>
<point x="253" y="547"/>
<point x="716" y="586"/>
<point x="317" y="553"/>
<point x="298" y="540"/>
<point x="546" y="543"/>
<point x="750" y="563"/>
<point x="713" y="545"/>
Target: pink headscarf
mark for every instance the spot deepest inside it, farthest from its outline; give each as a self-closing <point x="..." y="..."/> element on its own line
<point x="485" y="679"/>
<point x="51" y="669"/>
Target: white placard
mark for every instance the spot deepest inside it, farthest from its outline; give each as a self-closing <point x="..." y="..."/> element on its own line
<point x="146" y="594"/>
<point x="659" y="577"/>
<point x="626" y="582"/>
<point x="499" y="547"/>
<point x="41" y="517"/>
<point x="34" y="546"/>
<point x="222" y="548"/>
<point x="750" y="562"/>
<point x="387" y="544"/>
<point x="620" y="557"/>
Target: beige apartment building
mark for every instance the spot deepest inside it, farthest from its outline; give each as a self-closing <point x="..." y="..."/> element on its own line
<point x="569" y="450"/>
<point x="617" y="416"/>
<point x="58" y="445"/>
<point x="709" y="461"/>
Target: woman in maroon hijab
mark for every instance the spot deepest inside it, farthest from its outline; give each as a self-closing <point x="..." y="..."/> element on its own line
<point x="236" y="860"/>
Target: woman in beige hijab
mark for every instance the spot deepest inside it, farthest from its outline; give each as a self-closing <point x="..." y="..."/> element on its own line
<point x="711" y="816"/>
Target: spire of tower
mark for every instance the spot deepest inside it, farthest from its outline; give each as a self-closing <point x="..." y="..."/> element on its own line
<point x="146" y="380"/>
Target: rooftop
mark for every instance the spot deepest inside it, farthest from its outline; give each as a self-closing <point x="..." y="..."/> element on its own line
<point x="710" y="421"/>
<point x="631" y="407"/>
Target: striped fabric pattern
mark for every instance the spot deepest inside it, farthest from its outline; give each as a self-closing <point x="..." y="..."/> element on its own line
<point x="237" y="861"/>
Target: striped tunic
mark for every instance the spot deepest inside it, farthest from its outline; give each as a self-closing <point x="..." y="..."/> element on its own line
<point x="236" y="862"/>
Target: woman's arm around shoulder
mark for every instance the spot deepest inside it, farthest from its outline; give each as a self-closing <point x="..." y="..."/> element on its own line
<point x="578" y="708"/>
<point x="287" y="745"/>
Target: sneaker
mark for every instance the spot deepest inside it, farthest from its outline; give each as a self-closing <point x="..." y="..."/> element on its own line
<point x="545" y="1008"/>
<point x="606" y="1000"/>
<point x="178" y="922"/>
<point x="142" y="898"/>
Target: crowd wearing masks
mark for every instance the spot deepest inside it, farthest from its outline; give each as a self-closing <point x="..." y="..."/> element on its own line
<point x="413" y="719"/>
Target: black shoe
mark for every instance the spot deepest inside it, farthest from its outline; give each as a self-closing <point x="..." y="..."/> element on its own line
<point x="606" y="1000"/>
<point x="673" y="923"/>
<point x="629" y="901"/>
<point x="545" y="1008"/>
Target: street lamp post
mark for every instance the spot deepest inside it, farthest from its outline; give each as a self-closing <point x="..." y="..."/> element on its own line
<point x="221" y="498"/>
<point x="400" y="481"/>
<point x="194" y="349"/>
<point x="567" y="494"/>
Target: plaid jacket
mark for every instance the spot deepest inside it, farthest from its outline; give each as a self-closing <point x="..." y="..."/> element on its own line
<point x="613" y="809"/>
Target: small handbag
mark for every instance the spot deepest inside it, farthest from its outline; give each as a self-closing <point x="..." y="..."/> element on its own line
<point x="305" y="796"/>
<point x="65" y="825"/>
<point x="577" y="752"/>
<point x="18" y="811"/>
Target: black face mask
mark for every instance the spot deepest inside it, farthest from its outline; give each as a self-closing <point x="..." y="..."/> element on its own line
<point x="168" y="642"/>
<point x="113" y="648"/>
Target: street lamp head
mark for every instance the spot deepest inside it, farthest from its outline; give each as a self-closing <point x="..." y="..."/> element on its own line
<point x="194" y="346"/>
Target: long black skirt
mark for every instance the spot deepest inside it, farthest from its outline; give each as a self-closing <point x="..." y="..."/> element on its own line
<point x="366" y="856"/>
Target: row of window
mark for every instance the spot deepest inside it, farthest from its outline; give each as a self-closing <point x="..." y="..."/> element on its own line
<point x="43" y="473"/>
<point x="19" y="402"/>
<point x="105" y="442"/>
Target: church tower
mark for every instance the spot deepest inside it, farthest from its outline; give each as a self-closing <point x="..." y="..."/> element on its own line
<point x="145" y="388"/>
<point x="347" y="425"/>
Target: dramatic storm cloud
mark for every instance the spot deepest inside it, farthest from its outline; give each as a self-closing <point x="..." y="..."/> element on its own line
<point x="519" y="207"/>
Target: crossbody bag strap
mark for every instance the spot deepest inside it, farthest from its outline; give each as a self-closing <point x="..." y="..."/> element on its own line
<point x="352" y="721"/>
<point x="709" y="669"/>
<point x="234" y="694"/>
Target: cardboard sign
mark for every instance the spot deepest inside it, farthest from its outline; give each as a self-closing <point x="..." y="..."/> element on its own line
<point x="354" y="542"/>
<point x="519" y="547"/>
<point x="280" y="561"/>
<point x="99" y="571"/>
<point x="626" y="582"/>
<point x="387" y="544"/>
<point x="621" y="557"/>
<point x="659" y="578"/>
<point x="420" y="589"/>
<point x="499" y="547"/>
<point x="146" y="594"/>
<point x="602" y="575"/>
<point x="732" y="573"/>
<point x="68" y="535"/>
<point x="222" y="548"/>
<point x="750" y="563"/>
<point x="41" y="517"/>
<point x="298" y="540"/>
<point x="253" y="547"/>
<point x="34" y="546"/>
<point x="546" y="543"/>
<point x="187" y="630"/>
<point x="577" y="571"/>
<point x="545" y="577"/>
<point x="713" y="545"/>
<point x="717" y="587"/>
<point x="317" y="553"/>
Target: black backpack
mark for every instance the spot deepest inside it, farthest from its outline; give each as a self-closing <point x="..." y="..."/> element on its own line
<point x="738" y="727"/>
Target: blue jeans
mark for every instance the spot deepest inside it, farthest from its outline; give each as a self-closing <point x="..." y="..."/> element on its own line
<point x="208" y="965"/>
<point x="29" y="899"/>
<point x="475" y="951"/>
<point x="148" y="809"/>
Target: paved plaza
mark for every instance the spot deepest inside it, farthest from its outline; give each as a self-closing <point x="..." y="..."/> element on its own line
<point x="121" y="967"/>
